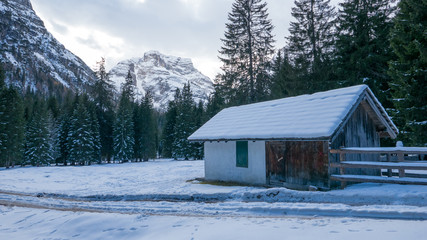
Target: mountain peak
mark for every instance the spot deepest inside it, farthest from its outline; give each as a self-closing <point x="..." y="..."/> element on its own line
<point x="32" y="57"/>
<point x="160" y="75"/>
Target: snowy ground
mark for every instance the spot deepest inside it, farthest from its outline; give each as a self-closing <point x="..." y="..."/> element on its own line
<point x="26" y="223"/>
<point x="161" y="200"/>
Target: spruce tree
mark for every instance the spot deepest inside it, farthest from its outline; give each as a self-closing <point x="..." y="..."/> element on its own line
<point x="246" y="53"/>
<point x="37" y="150"/>
<point x="148" y="131"/>
<point x="214" y="105"/>
<point x="103" y="94"/>
<point x="168" y="133"/>
<point x="64" y="128"/>
<point x="80" y="138"/>
<point x="363" y="46"/>
<point x="184" y="125"/>
<point x="310" y="46"/>
<point x="53" y="137"/>
<point x="137" y="129"/>
<point x="198" y="119"/>
<point x="285" y="80"/>
<point x="95" y="132"/>
<point x="12" y="127"/>
<point x="123" y="132"/>
<point x="409" y="84"/>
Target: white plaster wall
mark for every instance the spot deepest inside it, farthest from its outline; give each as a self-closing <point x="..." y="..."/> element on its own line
<point x="220" y="162"/>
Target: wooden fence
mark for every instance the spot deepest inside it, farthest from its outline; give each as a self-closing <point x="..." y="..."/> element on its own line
<point x="394" y="159"/>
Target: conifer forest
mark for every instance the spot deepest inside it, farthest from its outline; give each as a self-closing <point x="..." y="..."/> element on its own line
<point x="380" y="43"/>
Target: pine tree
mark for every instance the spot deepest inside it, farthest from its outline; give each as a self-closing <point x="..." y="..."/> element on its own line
<point x="80" y="138"/>
<point x="168" y="133"/>
<point x="214" y="105"/>
<point x="53" y="137"/>
<point x="246" y="53"/>
<point x="12" y="127"/>
<point x="285" y="81"/>
<point x="148" y="131"/>
<point x="128" y="87"/>
<point x="37" y="151"/>
<point x="184" y="125"/>
<point x="53" y="107"/>
<point x="123" y="132"/>
<point x="310" y="46"/>
<point x="103" y="94"/>
<point x="94" y="131"/>
<point x="137" y="129"/>
<point x="64" y="128"/>
<point x="363" y="47"/>
<point x="409" y="84"/>
<point x="199" y="119"/>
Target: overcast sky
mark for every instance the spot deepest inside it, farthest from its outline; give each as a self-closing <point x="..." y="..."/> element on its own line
<point x="123" y="29"/>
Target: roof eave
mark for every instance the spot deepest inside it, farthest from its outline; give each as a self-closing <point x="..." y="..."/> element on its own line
<point x="327" y="138"/>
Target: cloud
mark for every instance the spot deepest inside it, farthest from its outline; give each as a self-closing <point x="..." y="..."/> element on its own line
<point x="121" y="29"/>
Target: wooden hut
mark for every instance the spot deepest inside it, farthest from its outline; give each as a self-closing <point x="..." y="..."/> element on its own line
<point x="286" y="142"/>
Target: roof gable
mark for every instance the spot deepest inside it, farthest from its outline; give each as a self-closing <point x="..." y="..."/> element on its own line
<point x="315" y="116"/>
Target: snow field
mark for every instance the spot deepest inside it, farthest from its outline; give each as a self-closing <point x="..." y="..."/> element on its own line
<point x="161" y="200"/>
<point x="26" y="223"/>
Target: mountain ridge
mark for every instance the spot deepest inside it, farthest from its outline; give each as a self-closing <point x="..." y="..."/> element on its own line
<point x="160" y="75"/>
<point x="32" y="57"/>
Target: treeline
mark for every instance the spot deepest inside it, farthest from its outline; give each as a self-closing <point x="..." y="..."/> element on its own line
<point x="373" y="42"/>
<point x="95" y="127"/>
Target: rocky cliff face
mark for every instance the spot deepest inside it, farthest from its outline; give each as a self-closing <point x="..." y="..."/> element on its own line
<point x="32" y="57"/>
<point x="161" y="75"/>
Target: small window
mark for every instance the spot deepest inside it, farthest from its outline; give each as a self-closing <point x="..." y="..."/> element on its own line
<point x="242" y="154"/>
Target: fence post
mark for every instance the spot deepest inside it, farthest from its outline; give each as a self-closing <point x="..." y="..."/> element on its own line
<point x="389" y="171"/>
<point x="342" y="170"/>
<point x="400" y="158"/>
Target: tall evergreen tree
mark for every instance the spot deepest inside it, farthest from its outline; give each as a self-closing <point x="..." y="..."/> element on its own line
<point x="214" y="105"/>
<point x="80" y="138"/>
<point x="37" y="150"/>
<point x="148" y="131"/>
<point x="64" y="127"/>
<point x="123" y="132"/>
<point x="12" y="127"/>
<point x="94" y="131"/>
<point x="53" y="137"/>
<point x="363" y="47"/>
<point x="198" y="119"/>
<point x="168" y="133"/>
<point x="246" y="53"/>
<point x="285" y="80"/>
<point x="103" y="94"/>
<point x="137" y="129"/>
<point x="310" y="46"/>
<point x="409" y="84"/>
<point x="184" y="125"/>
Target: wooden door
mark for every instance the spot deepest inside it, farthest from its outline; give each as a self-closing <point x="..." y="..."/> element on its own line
<point x="275" y="161"/>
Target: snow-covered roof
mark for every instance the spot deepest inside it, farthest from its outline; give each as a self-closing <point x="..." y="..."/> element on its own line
<point x="315" y="116"/>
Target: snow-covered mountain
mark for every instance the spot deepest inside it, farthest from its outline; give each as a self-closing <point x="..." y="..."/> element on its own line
<point x="161" y="75"/>
<point x="32" y="57"/>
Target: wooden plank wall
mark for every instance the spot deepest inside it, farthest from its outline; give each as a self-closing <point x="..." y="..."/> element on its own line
<point x="359" y="131"/>
<point x="304" y="163"/>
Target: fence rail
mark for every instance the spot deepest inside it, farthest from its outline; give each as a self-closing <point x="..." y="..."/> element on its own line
<point x="400" y="165"/>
